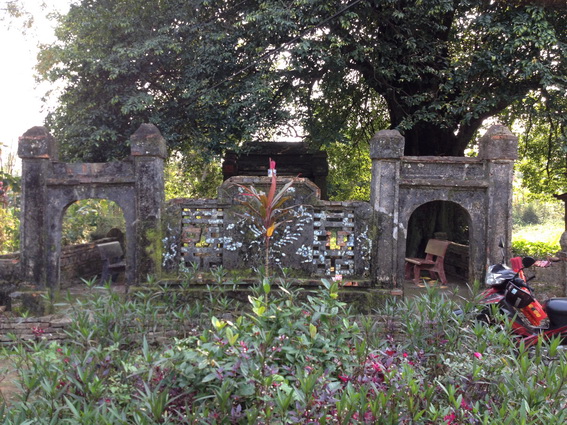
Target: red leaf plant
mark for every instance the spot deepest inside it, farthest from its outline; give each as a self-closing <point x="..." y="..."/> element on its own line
<point x="266" y="210"/>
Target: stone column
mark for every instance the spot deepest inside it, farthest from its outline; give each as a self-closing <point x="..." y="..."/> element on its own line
<point x="37" y="148"/>
<point x="386" y="150"/>
<point x="499" y="148"/>
<point x="148" y="149"/>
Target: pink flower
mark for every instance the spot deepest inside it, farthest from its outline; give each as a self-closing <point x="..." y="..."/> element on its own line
<point x="37" y="331"/>
<point x="450" y="418"/>
<point x="478" y="355"/>
<point x="377" y="367"/>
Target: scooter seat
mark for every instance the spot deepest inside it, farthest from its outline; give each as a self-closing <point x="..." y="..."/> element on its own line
<point x="556" y="309"/>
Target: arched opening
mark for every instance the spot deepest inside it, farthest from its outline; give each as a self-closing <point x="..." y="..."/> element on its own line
<point x="441" y="220"/>
<point x="86" y="224"/>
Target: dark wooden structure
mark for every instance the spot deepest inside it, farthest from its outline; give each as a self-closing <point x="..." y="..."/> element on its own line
<point x="293" y="159"/>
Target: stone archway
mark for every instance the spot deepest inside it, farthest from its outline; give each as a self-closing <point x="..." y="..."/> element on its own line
<point x="49" y="187"/>
<point x="482" y="186"/>
<point x="441" y="220"/>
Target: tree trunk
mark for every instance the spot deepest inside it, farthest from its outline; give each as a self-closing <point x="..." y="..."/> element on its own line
<point x="428" y="139"/>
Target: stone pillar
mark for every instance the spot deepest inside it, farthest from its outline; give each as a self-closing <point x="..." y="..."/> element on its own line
<point x="148" y="149"/>
<point x="386" y="150"/>
<point x="37" y="148"/>
<point x="499" y="148"/>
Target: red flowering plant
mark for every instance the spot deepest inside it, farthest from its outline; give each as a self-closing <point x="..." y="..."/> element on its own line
<point x="267" y="211"/>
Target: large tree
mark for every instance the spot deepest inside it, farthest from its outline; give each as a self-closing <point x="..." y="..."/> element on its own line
<point x="212" y="74"/>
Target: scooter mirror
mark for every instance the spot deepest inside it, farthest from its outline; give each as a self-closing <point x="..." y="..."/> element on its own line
<point x="528" y="261"/>
<point x="501" y="243"/>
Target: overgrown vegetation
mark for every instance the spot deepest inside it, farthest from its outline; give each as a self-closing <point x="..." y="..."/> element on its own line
<point x="292" y="357"/>
<point x="538" y="224"/>
<point x="9" y="205"/>
<point x="91" y="219"/>
<point x="211" y="75"/>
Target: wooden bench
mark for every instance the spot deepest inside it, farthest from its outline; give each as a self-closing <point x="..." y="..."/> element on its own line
<point x="433" y="262"/>
<point x="112" y="256"/>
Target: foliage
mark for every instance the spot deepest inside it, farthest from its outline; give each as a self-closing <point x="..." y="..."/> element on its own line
<point x="129" y="62"/>
<point x="15" y="12"/>
<point x="349" y="172"/>
<point x="90" y="219"/>
<point x="293" y="358"/>
<point x="542" y="143"/>
<point x="267" y="211"/>
<point x="210" y="75"/>
<point x="9" y="230"/>
<point x="191" y="177"/>
<point x="538" y="221"/>
<point x="536" y="249"/>
<point x="10" y="188"/>
<point x="527" y="215"/>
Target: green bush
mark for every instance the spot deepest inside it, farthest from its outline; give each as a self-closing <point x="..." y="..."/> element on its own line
<point x="90" y="219"/>
<point x="10" y="189"/>
<point x="9" y="230"/>
<point x="530" y="216"/>
<point x="293" y="357"/>
<point x="537" y="249"/>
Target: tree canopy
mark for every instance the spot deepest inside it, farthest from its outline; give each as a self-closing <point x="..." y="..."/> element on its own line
<point x="213" y="74"/>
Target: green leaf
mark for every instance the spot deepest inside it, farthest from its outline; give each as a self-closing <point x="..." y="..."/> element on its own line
<point x="312" y="330"/>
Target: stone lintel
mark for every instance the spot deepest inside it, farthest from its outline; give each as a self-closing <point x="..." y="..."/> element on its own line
<point x="457" y="160"/>
<point x="148" y="141"/>
<point x="37" y="142"/>
<point x="427" y="183"/>
<point x="89" y="180"/>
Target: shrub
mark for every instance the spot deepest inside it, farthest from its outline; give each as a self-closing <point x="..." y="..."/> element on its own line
<point x="9" y="207"/>
<point x="9" y="230"/>
<point x="529" y="215"/>
<point x="294" y="357"/>
<point x="90" y="219"/>
<point x="537" y="249"/>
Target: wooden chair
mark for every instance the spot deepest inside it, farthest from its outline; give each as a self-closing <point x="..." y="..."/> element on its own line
<point x="433" y="262"/>
<point x="112" y="261"/>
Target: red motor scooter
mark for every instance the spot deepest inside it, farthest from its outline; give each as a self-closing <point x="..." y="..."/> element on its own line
<point x="508" y="289"/>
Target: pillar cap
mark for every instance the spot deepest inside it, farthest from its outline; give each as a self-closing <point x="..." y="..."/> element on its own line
<point x="498" y="143"/>
<point x="148" y="141"/>
<point x="37" y="142"/>
<point x="387" y="144"/>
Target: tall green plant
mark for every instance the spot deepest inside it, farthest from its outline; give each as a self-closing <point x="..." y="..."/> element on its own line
<point x="266" y="210"/>
<point x="10" y="188"/>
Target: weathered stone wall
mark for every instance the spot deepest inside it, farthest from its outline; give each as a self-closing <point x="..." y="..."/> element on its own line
<point x="322" y="238"/>
<point x="481" y="186"/>
<point x="51" y="328"/>
<point x="49" y="187"/>
<point x="82" y="260"/>
<point x="9" y="268"/>
<point x="54" y="328"/>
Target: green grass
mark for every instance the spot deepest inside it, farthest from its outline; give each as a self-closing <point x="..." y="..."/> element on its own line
<point x="546" y="232"/>
<point x="537" y="240"/>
